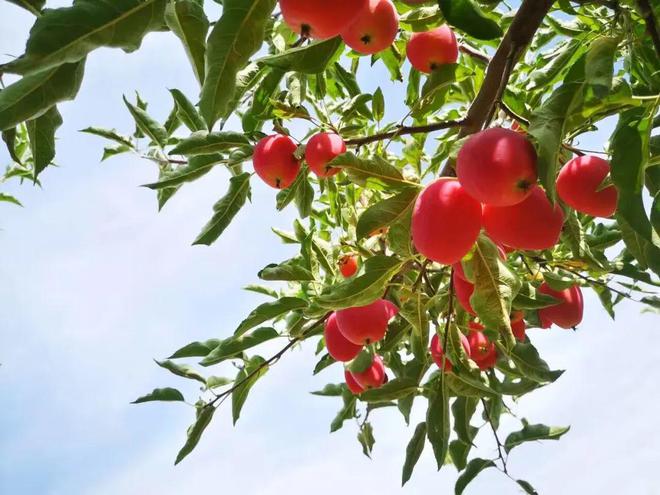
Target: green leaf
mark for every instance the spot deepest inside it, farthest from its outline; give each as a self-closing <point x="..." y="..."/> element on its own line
<point x="208" y="143"/>
<point x="9" y="137"/>
<point x="474" y="467"/>
<point x="346" y="412"/>
<point x="386" y="212"/>
<point x="33" y="6"/>
<point x="196" y="349"/>
<point x="253" y="370"/>
<point x="269" y="311"/>
<point x="529" y="489"/>
<point x="366" y="439"/>
<point x="530" y="298"/>
<point x="392" y="390"/>
<point x="467" y="16"/>
<point x="33" y="95"/>
<point x="197" y="167"/>
<point x="186" y="19"/>
<point x="67" y="35"/>
<point x="495" y="287"/>
<point x="437" y="420"/>
<point x="463" y="409"/>
<point x="413" y="452"/>
<point x="291" y="271"/>
<point x="415" y="311"/>
<point x="376" y="170"/>
<point x="226" y="209"/>
<point x="147" y="125"/>
<point x="311" y="59"/>
<point x="234" y="345"/>
<point x="110" y="134"/>
<point x="234" y="39"/>
<point x="458" y="452"/>
<point x="182" y="370"/>
<point x="532" y="433"/>
<point x="529" y="363"/>
<point x="304" y="196"/>
<point x="187" y="112"/>
<point x="362" y="290"/>
<point x="161" y="394"/>
<point x="41" y="132"/>
<point x="6" y="198"/>
<point x="331" y="390"/>
<point x="204" y="417"/>
<point x="378" y="105"/>
<point x="599" y="65"/>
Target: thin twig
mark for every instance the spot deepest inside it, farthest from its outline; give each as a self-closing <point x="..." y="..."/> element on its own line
<point x="646" y="11"/>
<point x="403" y="131"/>
<point x="468" y="50"/>
<point x="497" y="438"/>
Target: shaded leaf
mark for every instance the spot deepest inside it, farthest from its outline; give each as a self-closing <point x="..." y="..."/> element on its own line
<point x="531" y="433"/>
<point x="413" y="452"/>
<point x="161" y="394"/>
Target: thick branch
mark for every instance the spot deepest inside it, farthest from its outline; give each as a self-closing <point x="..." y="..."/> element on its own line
<point x="521" y="32"/>
<point x="405" y="130"/>
<point x="651" y="23"/>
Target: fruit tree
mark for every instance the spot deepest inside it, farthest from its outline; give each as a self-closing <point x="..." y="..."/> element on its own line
<point x="438" y="222"/>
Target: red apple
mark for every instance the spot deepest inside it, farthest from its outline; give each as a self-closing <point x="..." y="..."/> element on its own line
<point x="437" y="352"/>
<point x="446" y="221"/>
<point x="374" y="29"/>
<point x="321" y="149"/>
<point x="568" y="313"/>
<point x="352" y="385"/>
<point x="274" y="161"/>
<point x="531" y="224"/>
<point x="497" y="167"/>
<point x="429" y="50"/>
<point x="364" y="325"/>
<point x="578" y="183"/>
<point x="348" y="265"/>
<point x="373" y="377"/>
<point x="518" y="328"/>
<point x="463" y="290"/>
<point x="482" y="350"/>
<point x="338" y="346"/>
<point x="319" y="18"/>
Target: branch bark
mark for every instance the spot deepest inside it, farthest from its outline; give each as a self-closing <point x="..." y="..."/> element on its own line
<point x="646" y="11"/>
<point x="403" y="131"/>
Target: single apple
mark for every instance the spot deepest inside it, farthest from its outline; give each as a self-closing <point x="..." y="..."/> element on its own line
<point x="352" y="385"/>
<point x="463" y="290"/>
<point x="430" y="50"/>
<point x="437" y="351"/>
<point x="446" y="221"/>
<point x="321" y="149"/>
<point x="365" y="325"/>
<point x="274" y="161"/>
<point x="482" y="350"/>
<point x="497" y="167"/>
<point x="532" y="224"/>
<point x="374" y="29"/>
<point x="319" y="18"/>
<point x="348" y="265"/>
<point x="568" y="313"/>
<point x="338" y="346"/>
<point x="373" y="377"/>
<point x="578" y="186"/>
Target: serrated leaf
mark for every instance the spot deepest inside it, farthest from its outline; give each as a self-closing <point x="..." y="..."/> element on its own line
<point x="253" y="370"/>
<point x="291" y="270"/>
<point x="386" y="212"/>
<point x="474" y="467"/>
<point x="161" y="394"/>
<point x="68" y="34"/>
<point x="226" y="209"/>
<point x="346" y="412"/>
<point x="110" y="134"/>
<point x="495" y="287"/>
<point x="197" y="167"/>
<point x="41" y="133"/>
<point x="196" y="349"/>
<point x="186" y="19"/>
<point x="362" y="290"/>
<point x="310" y="59"/>
<point x="187" y="113"/>
<point x="467" y="16"/>
<point x="413" y="452"/>
<point x="147" y="125"/>
<point x="234" y="39"/>
<point x="204" y="417"/>
<point x="182" y="370"/>
<point x="268" y="311"/>
<point x="366" y="439"/>
<point x="35" y="94"/>
<point x="376" y="170"/>
<point x="234" y="345"/>
<point x="437" y="421"/>
<point x="529" y="363"/>
<point x="532" y="433"/>
<point x="209" y="143"/>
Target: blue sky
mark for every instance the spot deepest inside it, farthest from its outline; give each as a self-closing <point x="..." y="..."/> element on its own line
<point x="95" y="283"/>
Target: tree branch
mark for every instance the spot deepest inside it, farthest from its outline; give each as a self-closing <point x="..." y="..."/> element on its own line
<point x="497" y="438"/>
<point x="646" y="11"/>
<point x="405" y="130"/>
<point x="276" y="357"/>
